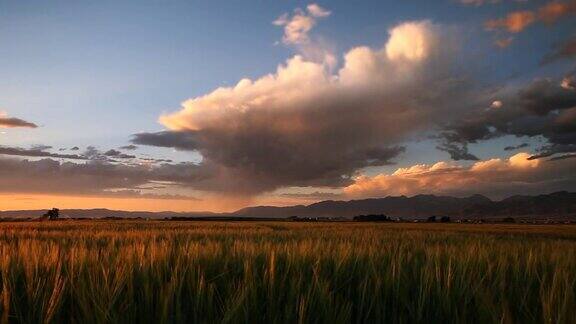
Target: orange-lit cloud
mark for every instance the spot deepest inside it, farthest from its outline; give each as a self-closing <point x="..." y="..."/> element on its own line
<point x="517" y="21"/>
<point x="492" y="177"/>
<point x="504" y="42"/>
<point x="552" y="11"/>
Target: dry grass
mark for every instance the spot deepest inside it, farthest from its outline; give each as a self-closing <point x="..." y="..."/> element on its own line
<point x="123" y="272"/>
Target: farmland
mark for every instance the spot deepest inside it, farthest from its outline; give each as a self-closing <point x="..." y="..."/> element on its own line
<point x="247" y="272"/>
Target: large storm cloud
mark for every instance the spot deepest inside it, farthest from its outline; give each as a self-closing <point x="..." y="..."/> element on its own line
<point x="308" y="126"/>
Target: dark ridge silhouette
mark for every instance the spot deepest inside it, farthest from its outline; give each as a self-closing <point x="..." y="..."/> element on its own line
<point x="423" y="206"/>
<point x="558" y="205"/>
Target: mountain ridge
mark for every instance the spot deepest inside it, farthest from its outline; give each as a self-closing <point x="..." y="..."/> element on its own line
<point x="557" y="204"/>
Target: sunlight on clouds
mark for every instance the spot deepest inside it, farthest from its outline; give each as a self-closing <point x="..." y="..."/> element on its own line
<point x="454" y="179"/>
<point x="411" y="41"/>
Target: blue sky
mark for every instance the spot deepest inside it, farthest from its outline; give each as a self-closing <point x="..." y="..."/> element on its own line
<point x="95" y="73"/>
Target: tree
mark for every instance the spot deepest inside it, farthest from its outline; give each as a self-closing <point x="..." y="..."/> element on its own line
<point x="445" y="219"/>
<point x="372" y="218"/>
<point x="431" y="219"/>
<point x="52" y="214"/>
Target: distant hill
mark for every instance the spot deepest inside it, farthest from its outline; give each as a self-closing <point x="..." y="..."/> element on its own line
<point x="422" y="206"/>
<point x="559" y="204"/>
<point x="102" y="213"/>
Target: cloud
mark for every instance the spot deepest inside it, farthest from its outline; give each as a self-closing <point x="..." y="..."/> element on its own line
<point x="316" y="11"/>
<point x="563" y="157"/>
<point x="118" y="154"/>
<point x="494" y="177"/>
<point x="129" y="147"/>
<point x="457" y="151"/>
<point x="11" y="122"/>
<point x="564" y="50"/>
<point x="477" y="3"/>
<point x="98" y="178"/>
<point x="307" y="126"/>
<point x="517" y="21"/>
<point x="552" y="11"/>
<point x="514" y="22"/>
<point x="298" y="25"/>
<point x="516" y="147"/>
<point x="412" y="41"/>
<point x="543" y="108"/>
<point x="504" y="42"/>
<point x="91" y="153"/>
<point x="568" y="83"/>
<point x="37" y="152"/>
<point x="185" y="141"/>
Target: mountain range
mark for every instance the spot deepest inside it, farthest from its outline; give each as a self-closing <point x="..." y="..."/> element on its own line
<point x="555" y="205"/>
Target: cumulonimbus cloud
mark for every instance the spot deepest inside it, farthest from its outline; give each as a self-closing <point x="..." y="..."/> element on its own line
<point x="307" y="126"/>
<point x="495" y="177"/>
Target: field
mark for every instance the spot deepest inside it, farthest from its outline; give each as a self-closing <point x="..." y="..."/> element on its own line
<point x="271" y="272"/>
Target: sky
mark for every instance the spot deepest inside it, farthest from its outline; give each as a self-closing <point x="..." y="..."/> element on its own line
<point x="218" y="105"/>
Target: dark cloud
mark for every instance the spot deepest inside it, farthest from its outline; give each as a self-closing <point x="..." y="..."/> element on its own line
<point x="138" y="193"/>
<point x="516" y="147"/>
<point x="316" y="195"/>
<point x="157" y="160"/>
<point x="12" y="122"/>
<point x="37" y="152"/>
<point x="129" y="147"/>
<point x="251" y="162"/>
<point x="186" y="141"/>
<point x="41" y="147"/>
<point x="564" y="50"/>
<point x="544" y="108"/>
<point x="563" y="157"/>
<point x="543" y="96"/>
<point x="457" y="151"/>
<point x="118" y="154"/>
<point x="91" y="177"/>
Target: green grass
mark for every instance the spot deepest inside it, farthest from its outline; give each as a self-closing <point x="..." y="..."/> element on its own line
<point x="199" y="272"/>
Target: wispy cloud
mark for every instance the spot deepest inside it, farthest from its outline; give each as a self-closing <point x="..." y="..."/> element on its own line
<point x="298" y="25"/>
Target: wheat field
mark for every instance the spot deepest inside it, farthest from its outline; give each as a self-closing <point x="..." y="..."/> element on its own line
<point x="284" y="272"/>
